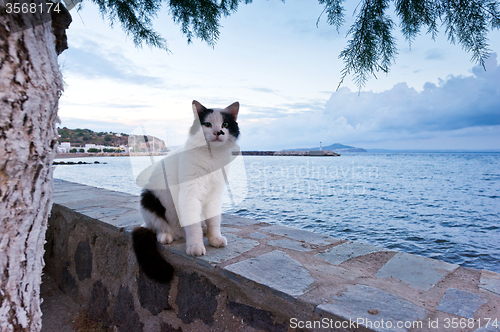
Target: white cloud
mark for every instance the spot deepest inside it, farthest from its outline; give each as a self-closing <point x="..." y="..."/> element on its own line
<point x="448" y="113"/>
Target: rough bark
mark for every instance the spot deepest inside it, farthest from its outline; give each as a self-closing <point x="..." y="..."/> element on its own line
<point x="30" y="86"/>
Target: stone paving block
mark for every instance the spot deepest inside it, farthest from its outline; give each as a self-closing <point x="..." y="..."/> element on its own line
<point x="113" y="193"/>
<point x="417" y="271"/>
<point x="131" y="203"/>
<point x="81" y="196"/>
<point x="334" y="271"/>
<point x="461" y="303"/>
<point x="130" y="218"/>
<point x="78" y="196"/>
<point x="228" y="219"/>
<point x="62" y="191"/>
<point x="225" y="229"/>
<point x="99" y="212"/>
<point x="357" y="300"/>
<point x="490" y="281"/>
<point x="283" y="275"/>
<point x="258" y="235"/>
<point x="290" y="244"/>
<point x="236" y="245"/>
<point x="67" y="186"/>
<point x="80" y="204"/>
<point x="300" y="235"/>
<point x="348" y="250"/>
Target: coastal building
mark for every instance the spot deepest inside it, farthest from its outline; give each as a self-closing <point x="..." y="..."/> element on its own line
<point x="64" y="147"/>
<point x="125" y="148"/>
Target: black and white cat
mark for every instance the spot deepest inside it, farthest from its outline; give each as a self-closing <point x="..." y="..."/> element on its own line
<point x="183" y="193"/>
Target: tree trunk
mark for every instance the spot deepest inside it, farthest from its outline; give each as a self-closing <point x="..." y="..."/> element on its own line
<point x="30" y="86"/>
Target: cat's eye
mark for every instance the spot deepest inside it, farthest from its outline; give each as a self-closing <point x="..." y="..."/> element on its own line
<point x="225" y="125"/>
<point x="207" y="124"/>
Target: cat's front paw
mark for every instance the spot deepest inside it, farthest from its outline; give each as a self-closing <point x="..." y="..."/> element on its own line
<point x="218" y="242"/>
<point x="197" y="249"/>
<point x="164" y="238"/>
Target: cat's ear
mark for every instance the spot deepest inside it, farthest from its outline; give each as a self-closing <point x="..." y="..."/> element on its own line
<point x="233" y="109"/>
<point x="197" y="108"/>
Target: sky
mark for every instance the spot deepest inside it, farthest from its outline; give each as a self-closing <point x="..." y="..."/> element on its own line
<point x="284" y="71"/>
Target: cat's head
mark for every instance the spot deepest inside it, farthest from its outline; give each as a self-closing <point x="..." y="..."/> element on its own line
<point x="218" y="125"/>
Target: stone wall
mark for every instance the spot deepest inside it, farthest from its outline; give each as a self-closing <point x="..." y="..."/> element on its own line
<point x="268" y="278"/>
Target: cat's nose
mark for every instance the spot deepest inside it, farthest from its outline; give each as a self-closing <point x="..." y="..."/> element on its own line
<point x="219" y="133"/>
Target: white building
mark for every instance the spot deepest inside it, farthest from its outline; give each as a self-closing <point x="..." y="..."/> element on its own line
<point x="64" y="147"/>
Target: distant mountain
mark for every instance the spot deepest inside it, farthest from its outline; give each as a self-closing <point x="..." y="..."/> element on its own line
<point x="335" y="147"/>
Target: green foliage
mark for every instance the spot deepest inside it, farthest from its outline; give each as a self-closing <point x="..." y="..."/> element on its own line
<point x="334" y="11"/>
<point x="197" y="18"/>
<point x="135" y="18"/>
<point x="466" y="23"/>
<point x="371" y="47"/>
<point x="76" y="136"/>
<point x="93" y="150"/>
<point x="72" y="151"/>
<point x="107" y="138"/>
<point x="82" y="150"/>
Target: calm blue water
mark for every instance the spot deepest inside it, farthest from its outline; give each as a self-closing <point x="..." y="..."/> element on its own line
<point x="439" y="205"/>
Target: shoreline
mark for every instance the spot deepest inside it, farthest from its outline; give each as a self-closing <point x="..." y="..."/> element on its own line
<point x="243" y="153"/>
<point x="105" y="154"/>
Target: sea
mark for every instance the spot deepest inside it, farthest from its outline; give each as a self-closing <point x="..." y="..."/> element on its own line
<point x="444" y="206"/>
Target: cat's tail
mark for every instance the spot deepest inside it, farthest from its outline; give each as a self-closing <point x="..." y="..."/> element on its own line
<point x="149" y="257"/>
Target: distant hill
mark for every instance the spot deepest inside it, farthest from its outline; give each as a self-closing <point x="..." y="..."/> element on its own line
<point x="80" y="137"/>
<point x="335" y="147"/>
<point x="86" y="136"/>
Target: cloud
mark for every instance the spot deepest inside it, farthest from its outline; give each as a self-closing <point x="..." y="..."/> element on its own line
<point x="96" y="125"/>
<point x="265" y="90"/>
<point x="434" y="54"/>
<point x="93" y="61"/>
<point x="456" y="107"/>
<point x="110" y="105"/>
<point x="456" y="103"/>
<point x="259" y="112"/>
<point x="263" y="113"/>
